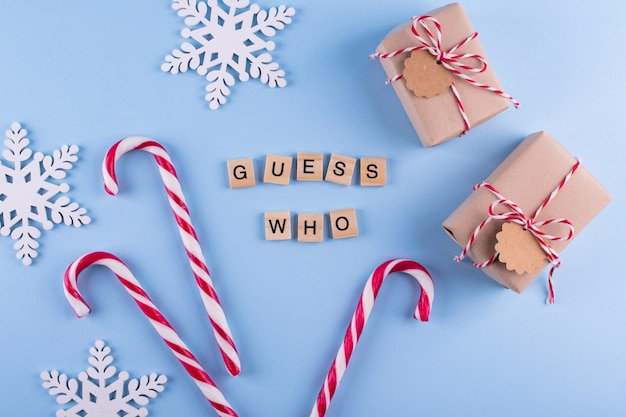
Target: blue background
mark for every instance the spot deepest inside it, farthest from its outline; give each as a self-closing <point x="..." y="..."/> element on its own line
<point x="88" y="73"/>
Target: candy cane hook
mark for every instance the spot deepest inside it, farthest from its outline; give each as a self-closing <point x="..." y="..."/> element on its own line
<point x="160" y="323"/>
<point x="187" y="233"/>
<point x="363" y="310"/>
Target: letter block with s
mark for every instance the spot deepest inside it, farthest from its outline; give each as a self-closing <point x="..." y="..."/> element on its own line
<point x="373" y="172"/>
<point x="340" y="169"/>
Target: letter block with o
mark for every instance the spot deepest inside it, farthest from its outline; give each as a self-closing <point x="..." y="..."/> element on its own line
<point x="343" y="223"/>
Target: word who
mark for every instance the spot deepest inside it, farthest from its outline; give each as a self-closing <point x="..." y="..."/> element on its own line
<point x="309" y="167"/>
<point x="311" y="226"/>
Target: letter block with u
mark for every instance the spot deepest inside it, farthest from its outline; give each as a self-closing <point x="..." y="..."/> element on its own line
<point x="277" y="169"/>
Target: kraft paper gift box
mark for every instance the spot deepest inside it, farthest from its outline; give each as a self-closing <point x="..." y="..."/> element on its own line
<point x="438" y="118"/>
<point x="527" y="177"/>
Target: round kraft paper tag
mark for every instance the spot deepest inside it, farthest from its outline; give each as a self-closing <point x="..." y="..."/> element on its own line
<point x="519" y="249"/>
<point x="424" y="76"/>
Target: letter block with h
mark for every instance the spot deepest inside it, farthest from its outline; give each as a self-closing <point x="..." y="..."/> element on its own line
<point x="310" y="227"/>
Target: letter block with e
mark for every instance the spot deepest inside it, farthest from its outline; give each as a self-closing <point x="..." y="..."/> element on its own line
<point x="310" y="167"/>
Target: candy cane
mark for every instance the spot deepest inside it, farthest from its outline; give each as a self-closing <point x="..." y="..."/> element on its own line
<point x="363" y="310"/>
<point x="160" y="323"/>
<point x="187" y="233"/>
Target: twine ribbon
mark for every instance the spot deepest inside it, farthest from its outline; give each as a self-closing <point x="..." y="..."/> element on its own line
<point x="458" y="64"/>
<point x="513" y="213"/>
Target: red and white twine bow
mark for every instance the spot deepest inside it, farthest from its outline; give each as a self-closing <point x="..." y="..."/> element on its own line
<point x="516" y="215"/>
<point x="458" y="64"/>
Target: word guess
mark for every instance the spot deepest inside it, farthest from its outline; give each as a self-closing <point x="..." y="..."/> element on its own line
<point x="311" y="226"/>
<point x="309" y="167"/>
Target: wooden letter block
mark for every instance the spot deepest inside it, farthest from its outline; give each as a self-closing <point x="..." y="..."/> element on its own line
<point x="277" y="169"/>
<point x="343" y="223"/>
<point x="310" y="227"/>
<point x="340" y="169"/>
<point x="278" y="225"/>
<point x="241" y="173"/>
<point x="373" y="172"/>
<point x="310" y="167"/>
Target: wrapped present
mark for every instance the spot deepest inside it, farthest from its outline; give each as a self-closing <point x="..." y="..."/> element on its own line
<point x="441" y="74"/>
<point x="526" y="212"/>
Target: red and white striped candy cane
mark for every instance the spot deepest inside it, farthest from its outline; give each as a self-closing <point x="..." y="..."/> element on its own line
<point x="162" y="326"/>
<point x="363" y="310"/>
<point x="187" y="233"/>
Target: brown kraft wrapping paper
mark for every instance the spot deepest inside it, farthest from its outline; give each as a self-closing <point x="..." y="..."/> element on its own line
<point x="527" y="176"/>
<point x="438" y="119"/>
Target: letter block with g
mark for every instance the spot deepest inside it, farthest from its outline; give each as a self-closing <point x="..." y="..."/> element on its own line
<point x="241" y="173"/>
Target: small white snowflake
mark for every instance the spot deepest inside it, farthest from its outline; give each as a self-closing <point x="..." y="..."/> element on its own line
<point x="26" y="192"/>
<point x="228" y="39"/>
<point x="100" y="399"/>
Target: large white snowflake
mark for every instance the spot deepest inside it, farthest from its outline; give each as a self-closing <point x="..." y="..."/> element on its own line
<point x="96" y="397"/>
<point x="225" y="38"/>
<point x="26" y="192"/>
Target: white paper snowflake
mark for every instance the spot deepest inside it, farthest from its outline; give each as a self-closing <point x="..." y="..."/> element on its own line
<point x="26" y="192"/>
<point x="99" y="398"/>
<point x="225" y="38"/>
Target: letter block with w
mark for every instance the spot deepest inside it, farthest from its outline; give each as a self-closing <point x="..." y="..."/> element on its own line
<point x="278" y="225"/>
